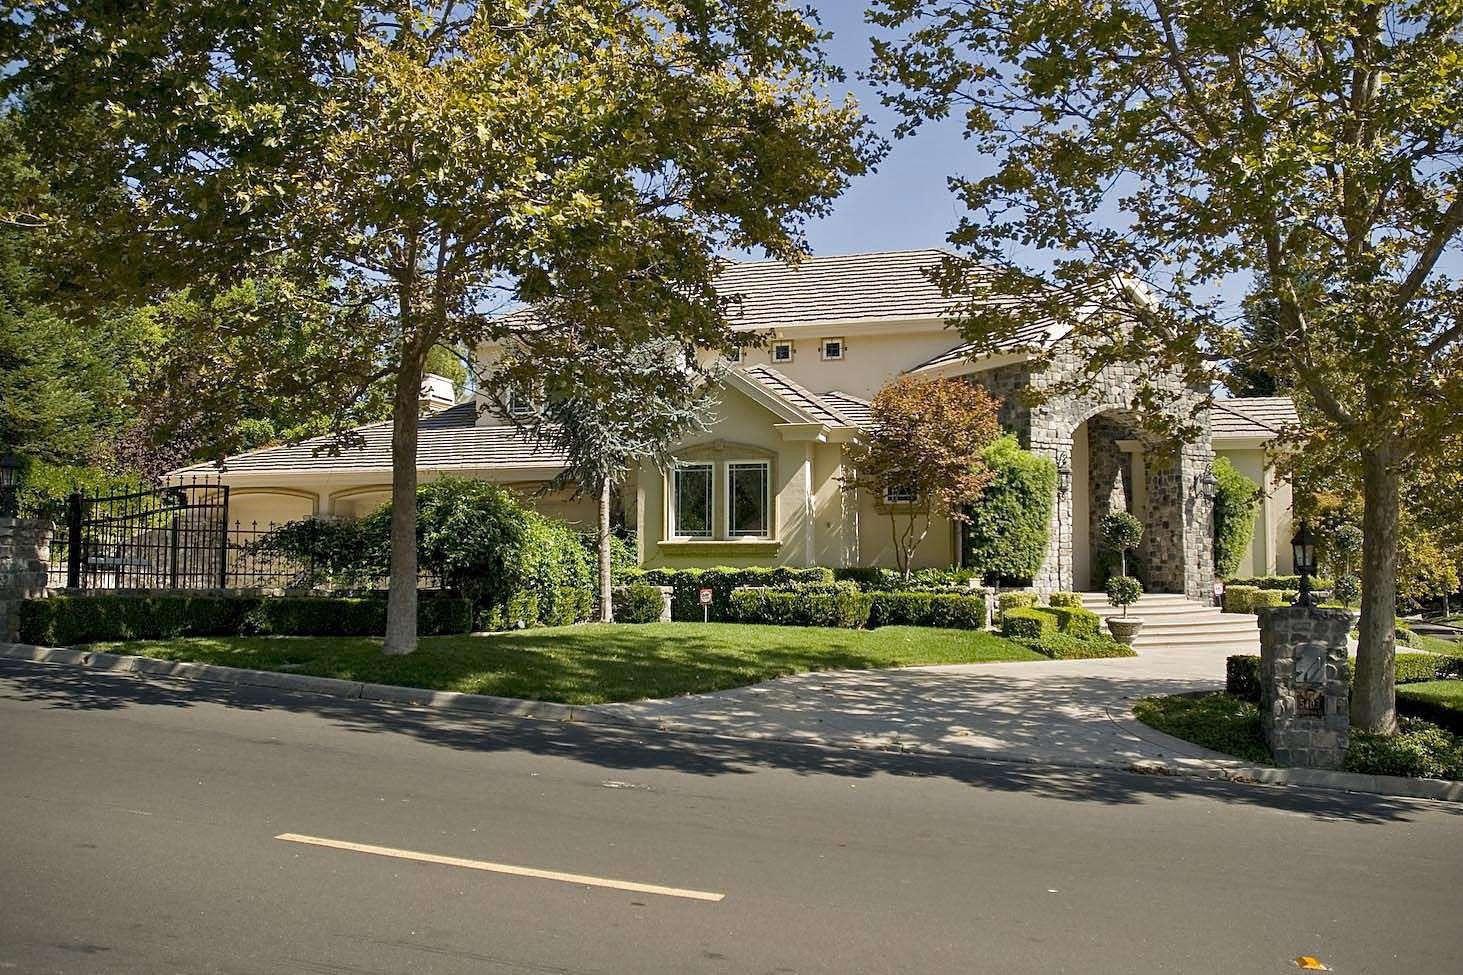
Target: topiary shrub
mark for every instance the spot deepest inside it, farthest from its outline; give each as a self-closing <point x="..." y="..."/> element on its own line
<point x="1007" y="532"/>
<point x="1123" y="591"/>
<point x="1412" y="668"/>
<point x="1242" y="677"/>
<point x="1346" y="590"/>
<point x="1236" y="506"/>
<point x="833" y="604"/>
<point x="1071" y="599"/>
<point x="948" y="610"/>
<point x="1077" y="622"/>
<point x="1120" y="532"/>
<point x="638" y="603"/>
<point x="1250" y="599"/>
<point x="1014" y="600"/>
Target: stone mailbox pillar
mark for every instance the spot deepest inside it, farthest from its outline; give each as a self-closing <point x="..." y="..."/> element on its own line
<point x="24" y="549"/>
<point x="1304" y="684"/>
<point x="667" y="595"/>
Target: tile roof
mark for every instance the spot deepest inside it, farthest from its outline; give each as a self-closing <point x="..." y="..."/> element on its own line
<point x="790" y="392"/>
<point x="882" y="284"/>
<point x="1252" y="416"/>
<point x="856" y="411"/>
<point x="447" y="440"/>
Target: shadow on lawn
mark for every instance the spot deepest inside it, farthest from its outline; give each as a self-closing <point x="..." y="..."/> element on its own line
<point x="611" y="748"/>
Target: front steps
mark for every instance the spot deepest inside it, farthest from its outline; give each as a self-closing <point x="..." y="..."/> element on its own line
<point x="1171" y="621"/>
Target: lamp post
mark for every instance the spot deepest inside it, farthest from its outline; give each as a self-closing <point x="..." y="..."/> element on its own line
<point x="1303" y="548"/>
<point x="9" y="485"/>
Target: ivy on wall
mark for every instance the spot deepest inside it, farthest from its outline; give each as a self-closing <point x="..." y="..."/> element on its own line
<point x="1236" y="506"/>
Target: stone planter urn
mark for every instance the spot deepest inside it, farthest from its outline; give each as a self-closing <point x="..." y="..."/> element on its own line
<point x="1124" y="628"/>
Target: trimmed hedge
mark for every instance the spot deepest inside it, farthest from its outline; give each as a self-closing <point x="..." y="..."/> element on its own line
<point x="1030" y="623"/>
<point x="1007" y="601"/>
<point x="1063" y="646"/>
<point x="1009" y="526"/>
<point x="1076" y="621"/>
<point x="948" y="610"/>
<point x="1060" y="599"/>
<point x="639" y="603"/>
<point x="722" y="581"/>
<point x="834" y="604"/>
<point x="71" y="620"/>
<point x="1279" y="582"/>
<point x="1249" y="599"/>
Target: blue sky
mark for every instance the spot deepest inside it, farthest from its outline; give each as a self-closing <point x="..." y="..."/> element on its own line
<point x="906" y="203"/>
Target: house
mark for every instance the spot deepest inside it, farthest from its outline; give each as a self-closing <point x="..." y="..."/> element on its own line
<point x="764" y="485"/>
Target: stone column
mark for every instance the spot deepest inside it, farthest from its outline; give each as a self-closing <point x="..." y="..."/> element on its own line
<point x="25" y="545"/>
<point x="1304" y="686"/>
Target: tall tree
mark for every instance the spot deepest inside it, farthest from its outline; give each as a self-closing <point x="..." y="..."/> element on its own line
<point x="1185" y="147"/>
<point x="925" y="456"/>
<point x="429" y="160"/>
<point x="607" y="407"/>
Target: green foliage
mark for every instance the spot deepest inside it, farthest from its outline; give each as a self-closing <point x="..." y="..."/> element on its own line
<point x="835" y="604"/>
<point x="1438" y="701"/>
<point x="1123" y="591"/>
<point x="1071" y="599"/>
<point x="1236" y="507"/>
<point x="1414" y="668"/>
<point x="327" y="553"/>
<point x="1008" y="526"/>
<point x="1242" y="677"/>
<point x="1218" y="721"/>
<point x="1008" y="601"/>
<point x="1074" y="621"/>
<point x="945" y="610"/>
<point x="1249" y="599"/>
<point x="1062" y="646"/>
<point x="72" y="620"/>
<point x="1287" y="583"/>
<point x="1346" y="589"/>
<point x="1418" y="750"/>
<point x="721" y="580"/>
<point x="638" y="603"/>
<point x="1342" y="547"/>
<point x="623" y="553"/>
<point x="879" y="579"/>
<point x="1120" y="531"/>
<point x="1030" y="624"/>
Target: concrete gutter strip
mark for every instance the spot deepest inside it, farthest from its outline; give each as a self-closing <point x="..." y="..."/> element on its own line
<point x="1230" y="771"/>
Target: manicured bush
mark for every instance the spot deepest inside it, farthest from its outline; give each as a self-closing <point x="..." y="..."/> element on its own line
<point x="1415" y="667"/>
<point x="1077" y="622"/>
<point x="1291" y="583"/>
<point x="1346" y="590"/>
<point x="1062" y="646"/>
<point x="947" y="610"/>
<point x="1008" y="529"/>
<point x="1007" y="601"/>
<point x="1236" y="506"/>
<point x="1418" y="750"/>
<point x="1030" y="623"/>
<point x="1123" y="591"/>
<point x="1242" y="677"/>
<point x="878" y="579"/>
<point x="1071" y="599"/>
<point x="721" y="580"/>
<point x="1249" y="599"/>
<point x="71" y="620"/>
<point x="639" y="603"/>
<point x="836" y="604"/>
<point x="867" y="577"/>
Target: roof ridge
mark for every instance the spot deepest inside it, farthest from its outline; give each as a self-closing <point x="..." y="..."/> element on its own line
<point x="848" y="254"/>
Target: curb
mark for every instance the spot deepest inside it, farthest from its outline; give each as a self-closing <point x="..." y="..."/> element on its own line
<point x="1213" y="770"/>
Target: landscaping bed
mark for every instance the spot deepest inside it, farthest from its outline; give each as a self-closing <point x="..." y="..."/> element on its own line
<point x="594" y="664"/>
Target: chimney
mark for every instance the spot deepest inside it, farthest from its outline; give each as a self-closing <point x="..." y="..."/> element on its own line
<point x="437" y="393"/>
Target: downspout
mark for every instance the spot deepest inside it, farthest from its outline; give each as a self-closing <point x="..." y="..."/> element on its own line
<point x="808" y="505"/>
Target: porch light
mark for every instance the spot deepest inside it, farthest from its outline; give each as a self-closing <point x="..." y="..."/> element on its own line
<point x="1303" y="549"/>
<point x="1064" y="474"/>
<point x="9" y="485"/>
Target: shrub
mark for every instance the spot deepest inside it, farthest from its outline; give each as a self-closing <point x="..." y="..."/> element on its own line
<point x="1077" y="622"/>
<point x="1346" y="589"/>
<point x="1071" y="599"/>
<point x="1436" y="701"/>
<point x="1123" y="591"/>
<point x="639" y="603"/>
<point x="1236" y="506"/>
<point x="1062" y="646"/>
<point x="949" y="610"/>
<point x="1014" y="600"/>
<point x="1242" y="677"/>
<point x="1008" y="529"/>
<point x="1120" y="531"/>
<point x="1279" y="582"/>
<point x="867" y="577"/>
<point x="1030" y="623"/>
<point x="1249" y="599"/>
<point x="1413" y="668"/>
<point x="832" y="604"/>
<point x="71" y="620"/>
<point x="721" y="580"/>
<point x="1418" y="750"/>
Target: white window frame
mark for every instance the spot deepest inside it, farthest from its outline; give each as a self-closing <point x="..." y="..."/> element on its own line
<point x="726" y="481"/>
<point x="735" y="355"/>
<point x="675" y="499"/>
<point x="823" y="349"/>
<point x="890" y="497"/>
<point x="787" y="344"/>
<point x="520" y="405"/>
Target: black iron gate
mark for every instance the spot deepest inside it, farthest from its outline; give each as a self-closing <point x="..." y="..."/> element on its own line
<point x="174" y="536"/>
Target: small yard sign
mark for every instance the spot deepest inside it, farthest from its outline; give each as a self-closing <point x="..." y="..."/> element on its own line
<point x="705" y="597"/>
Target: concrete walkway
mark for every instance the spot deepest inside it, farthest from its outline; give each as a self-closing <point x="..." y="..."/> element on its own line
<point x="1072" y="712"/>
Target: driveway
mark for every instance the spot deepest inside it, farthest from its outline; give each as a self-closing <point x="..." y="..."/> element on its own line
<point x="1071" y="712"/>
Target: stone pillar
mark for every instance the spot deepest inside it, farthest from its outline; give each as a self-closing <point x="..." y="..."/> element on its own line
<point x="667" y="595"/>
<point x="25" y="545"/>
<point x="1304" y="686"/>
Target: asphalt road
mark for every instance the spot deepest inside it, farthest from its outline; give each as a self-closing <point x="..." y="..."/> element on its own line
<point x="139" y="824"/>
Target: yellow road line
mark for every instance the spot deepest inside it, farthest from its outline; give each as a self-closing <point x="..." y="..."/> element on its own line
<point x="508" y="868"/>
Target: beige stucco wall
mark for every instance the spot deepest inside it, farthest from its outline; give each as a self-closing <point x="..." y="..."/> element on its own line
<point x="1269" y="552"/>
<point x="870" y="360"/>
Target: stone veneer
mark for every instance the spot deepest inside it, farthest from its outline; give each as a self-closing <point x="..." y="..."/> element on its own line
<point x="1304" y="685"/>
<point x="1178" y="546"/>
<point x="25" y="545"/>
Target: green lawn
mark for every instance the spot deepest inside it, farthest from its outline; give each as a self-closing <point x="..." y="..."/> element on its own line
<point x="1436" y="644"/>
<point x="1225" y="724"/>
<point x="593" y="664"/>
<point x="1441" y="694"/>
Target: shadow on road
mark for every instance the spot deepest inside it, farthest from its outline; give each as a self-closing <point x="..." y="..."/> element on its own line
<point x="75" y="689"/>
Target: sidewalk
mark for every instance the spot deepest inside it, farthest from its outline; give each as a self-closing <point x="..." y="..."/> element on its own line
<point x="1071" y="712"/>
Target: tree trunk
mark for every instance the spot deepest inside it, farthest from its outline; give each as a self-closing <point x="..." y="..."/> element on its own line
<point x="401" y="597"/>
<point x="1373" y="685"/>
<point x="606" y="593"/>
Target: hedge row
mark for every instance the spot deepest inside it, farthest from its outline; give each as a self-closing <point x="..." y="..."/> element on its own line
<point x="1242" y="672"/>
<point x="1249" y="599"/>
<point x="843" y="604"/>
<point x="1039" y="622"/>
<point x="71" y="620"/>
<point x="949" y="610"/>
<point x="721" y="580"/>
<point x="1277" y="582"/>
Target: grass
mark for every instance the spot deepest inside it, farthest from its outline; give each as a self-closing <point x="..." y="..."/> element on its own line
<point x="1435" y="644"/>
<point x="1216" y="721"/>
<point x="593" y="664"/>
<point x="1443" y="693"/>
